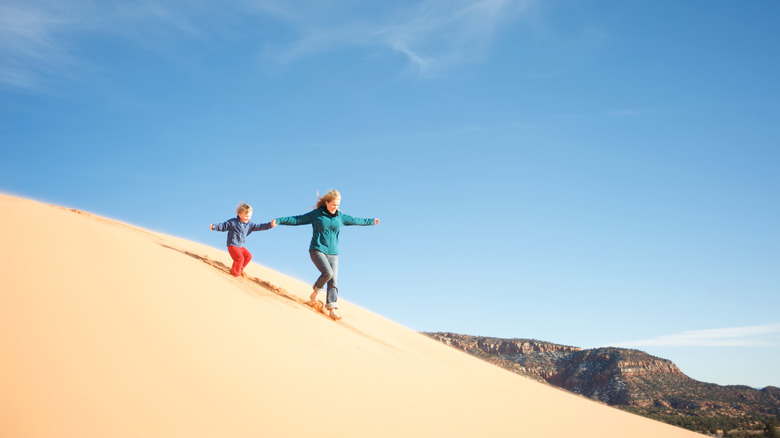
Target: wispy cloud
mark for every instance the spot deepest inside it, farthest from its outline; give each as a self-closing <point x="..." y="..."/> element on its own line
<point x="436" y="34"/>
<point x="752" y="336"/>
<point x="29" y="47"/>
<point x="42" y="40"/>
<point x="432" y="35"/>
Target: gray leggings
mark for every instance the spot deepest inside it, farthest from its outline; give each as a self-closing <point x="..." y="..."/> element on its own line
<point x="328" y="265"/>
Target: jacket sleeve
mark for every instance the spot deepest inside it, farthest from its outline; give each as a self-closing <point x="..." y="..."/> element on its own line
<point x="260" y="227"/>
<point x="224" y="226"/>
<point x="298" y="220"/>
<point x="349" y="220"/>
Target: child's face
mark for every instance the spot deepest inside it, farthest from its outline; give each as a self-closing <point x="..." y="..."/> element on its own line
<point x="245" y="216"/>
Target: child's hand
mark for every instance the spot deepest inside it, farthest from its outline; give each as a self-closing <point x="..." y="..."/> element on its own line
<point x="376" y="221"/>
<point x="273" y="223"/>
<point x="211" y="227"/>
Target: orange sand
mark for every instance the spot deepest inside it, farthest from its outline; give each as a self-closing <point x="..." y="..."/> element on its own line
<point x="107" y="330"/>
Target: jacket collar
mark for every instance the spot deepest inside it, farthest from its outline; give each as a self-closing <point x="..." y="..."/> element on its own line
<point x="327" y="213"/>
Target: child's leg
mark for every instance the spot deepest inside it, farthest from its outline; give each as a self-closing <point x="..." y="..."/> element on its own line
<point x="238" y="260"/>
<point x="247" y="258"/>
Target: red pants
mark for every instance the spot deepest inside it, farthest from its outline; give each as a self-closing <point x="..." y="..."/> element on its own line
<point x="241" y="257"/>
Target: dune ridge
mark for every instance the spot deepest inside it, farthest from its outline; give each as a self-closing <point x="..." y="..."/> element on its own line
<point x="109" y="330"/>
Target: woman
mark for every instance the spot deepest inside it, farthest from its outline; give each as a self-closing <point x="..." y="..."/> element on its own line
<point x="326" y="221"/>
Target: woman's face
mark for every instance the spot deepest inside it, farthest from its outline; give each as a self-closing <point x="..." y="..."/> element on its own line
<point x="333" y="205"/>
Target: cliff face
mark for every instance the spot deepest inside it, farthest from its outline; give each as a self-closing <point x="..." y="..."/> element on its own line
<point x="631" y="379"/>
<point x="525" y="356"/>
<point x="613" y="375"/>
<point x="616" y="376"/>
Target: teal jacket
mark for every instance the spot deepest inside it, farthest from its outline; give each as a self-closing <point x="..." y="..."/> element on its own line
<point x="326" y="227"/>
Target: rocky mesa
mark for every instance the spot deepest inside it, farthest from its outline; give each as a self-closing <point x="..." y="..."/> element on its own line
<point x="629" y="379"/>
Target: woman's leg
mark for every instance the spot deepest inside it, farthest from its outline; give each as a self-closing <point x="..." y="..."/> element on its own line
<point x="333" y="290"/>
<point x="320" y="261"/>
<point x="328" y="265"/>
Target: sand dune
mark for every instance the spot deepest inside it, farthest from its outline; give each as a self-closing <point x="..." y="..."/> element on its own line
<point x="107" y="330"/>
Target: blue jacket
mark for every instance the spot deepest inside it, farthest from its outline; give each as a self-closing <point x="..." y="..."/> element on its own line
<point x="325" y="226"/>
<point x="237" y="230"/>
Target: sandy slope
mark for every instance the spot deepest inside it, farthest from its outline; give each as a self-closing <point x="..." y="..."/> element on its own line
<point x="107" y="330"/>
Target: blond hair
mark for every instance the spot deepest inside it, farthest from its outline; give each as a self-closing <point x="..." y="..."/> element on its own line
<point x="327" y="197"/>
<point x="243" y="208"/>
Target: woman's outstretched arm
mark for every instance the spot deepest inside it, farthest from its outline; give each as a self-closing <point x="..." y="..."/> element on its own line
<point x="297" y="220"/>
<point x="350" y="220"/>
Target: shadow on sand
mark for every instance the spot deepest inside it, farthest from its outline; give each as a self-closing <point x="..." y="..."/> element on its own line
<point x="317" y="306"/>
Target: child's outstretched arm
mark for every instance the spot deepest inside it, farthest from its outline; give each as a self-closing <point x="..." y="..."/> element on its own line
<point x="224" y="226"/>
<point x="265" y="226"/>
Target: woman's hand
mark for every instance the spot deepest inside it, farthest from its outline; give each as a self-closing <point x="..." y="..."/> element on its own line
<point x="376" y="221"/>
<point x="273" y="223"/>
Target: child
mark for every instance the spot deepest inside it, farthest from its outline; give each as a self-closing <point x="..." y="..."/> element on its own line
<point x="238" y="229"/>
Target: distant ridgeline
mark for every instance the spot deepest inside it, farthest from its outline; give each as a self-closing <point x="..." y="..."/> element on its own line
<point x="631" y="380"/>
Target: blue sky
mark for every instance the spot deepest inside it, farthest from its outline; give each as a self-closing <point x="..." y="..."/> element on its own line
<point x="589" y="173"/>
